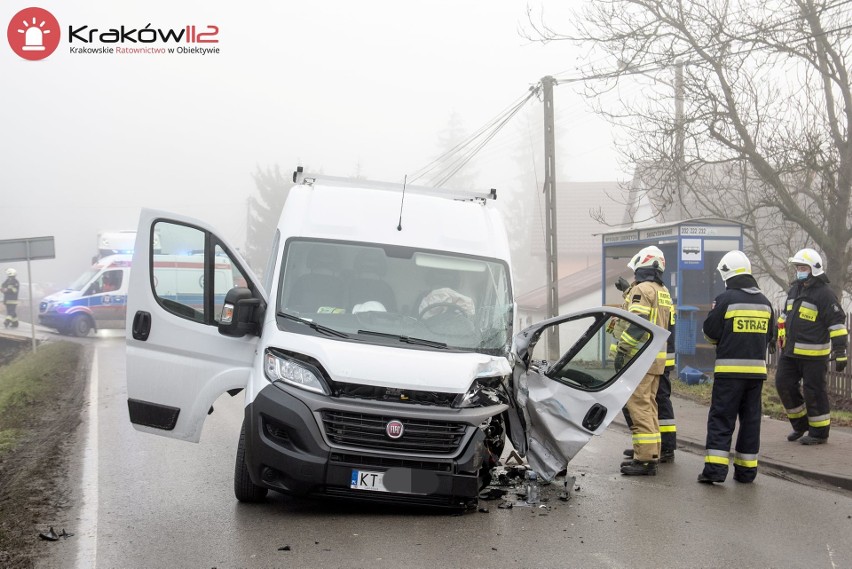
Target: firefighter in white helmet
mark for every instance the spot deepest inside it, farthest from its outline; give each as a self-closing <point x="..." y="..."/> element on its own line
<point x="741" y="326"/>
<point x="811" y="330"/>
<point x="650" y="299"/>
<point x="10" y="289"/>
<point x="665" y="409"/>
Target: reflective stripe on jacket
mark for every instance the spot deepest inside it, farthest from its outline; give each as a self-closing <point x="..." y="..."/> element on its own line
<point x="741" y="324"/>
<point x="651" y="301"/>
<point x="814" y="322"/>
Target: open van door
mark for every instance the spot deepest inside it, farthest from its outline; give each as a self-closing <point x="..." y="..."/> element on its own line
<point x="178" y="362"/>
<point x="566" y="397"/>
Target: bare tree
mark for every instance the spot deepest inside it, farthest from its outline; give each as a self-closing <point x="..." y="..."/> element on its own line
<point x="263" y="213"/>
<point x="763" y="134"/>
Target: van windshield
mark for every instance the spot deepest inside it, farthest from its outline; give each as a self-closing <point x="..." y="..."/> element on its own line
<point x="84" y="279"/>
<point x="391" y="294"/>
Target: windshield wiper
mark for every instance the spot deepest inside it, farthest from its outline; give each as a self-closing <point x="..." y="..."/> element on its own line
<point x="406" y="339"/>
<point x="318" y="327"/>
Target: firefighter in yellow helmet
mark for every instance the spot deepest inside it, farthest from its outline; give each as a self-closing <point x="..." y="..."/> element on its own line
<point x="650" y="299"/>
<point x="10" y="289"/>
<point x="811" y="330"/>
<point x="740" y="324"/>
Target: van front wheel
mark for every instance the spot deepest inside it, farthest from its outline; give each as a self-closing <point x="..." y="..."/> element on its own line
<point x="80" y="325"/>
<point x="244" y="489"/>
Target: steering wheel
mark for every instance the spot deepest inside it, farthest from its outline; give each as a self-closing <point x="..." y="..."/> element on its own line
<point x="449" y="320"/>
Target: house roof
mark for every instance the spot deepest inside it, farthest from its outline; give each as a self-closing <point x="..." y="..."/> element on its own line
<point x="573" y="285"/>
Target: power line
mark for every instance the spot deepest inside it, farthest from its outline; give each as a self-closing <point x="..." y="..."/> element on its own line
<point x="450" y="162"/>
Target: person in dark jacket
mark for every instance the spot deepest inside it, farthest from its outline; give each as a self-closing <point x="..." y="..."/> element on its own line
<point x="10" y="288"/>
<point x="741" y="325"/>
<point x="811" y="328"/>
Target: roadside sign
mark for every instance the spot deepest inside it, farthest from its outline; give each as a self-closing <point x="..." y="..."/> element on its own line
<point x="27" y="249"/>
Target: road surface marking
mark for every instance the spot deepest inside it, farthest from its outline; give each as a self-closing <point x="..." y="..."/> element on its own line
<point x="88" y="543"/>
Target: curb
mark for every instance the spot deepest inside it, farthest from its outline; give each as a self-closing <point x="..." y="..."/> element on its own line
<point x="694" y="447"/>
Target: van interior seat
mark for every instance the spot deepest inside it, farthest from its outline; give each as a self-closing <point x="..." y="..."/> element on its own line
<point x="369" y="281"/>
<point x="320" y="287"/>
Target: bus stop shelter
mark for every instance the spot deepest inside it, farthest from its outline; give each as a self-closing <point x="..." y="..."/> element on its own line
<point x="692" y="248"/>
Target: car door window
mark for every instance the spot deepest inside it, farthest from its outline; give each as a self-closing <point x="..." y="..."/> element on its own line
<point x="180" y="269"/>
<point x="585" y="361"/>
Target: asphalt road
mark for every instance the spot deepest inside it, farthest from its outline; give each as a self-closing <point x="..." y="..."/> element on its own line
<point x="146" y="501"/>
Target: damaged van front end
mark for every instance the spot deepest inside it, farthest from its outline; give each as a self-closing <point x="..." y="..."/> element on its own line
<point x="415" y="442"/>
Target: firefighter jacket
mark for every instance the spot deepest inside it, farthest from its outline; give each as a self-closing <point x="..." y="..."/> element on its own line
<point x="651" y="300"/>
<point x="812" y="324"/>
<point x="741" y="325"/>
<point x="10" y="290"/>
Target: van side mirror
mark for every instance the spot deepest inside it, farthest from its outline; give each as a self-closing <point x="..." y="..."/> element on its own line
<point x="242" y="313"/>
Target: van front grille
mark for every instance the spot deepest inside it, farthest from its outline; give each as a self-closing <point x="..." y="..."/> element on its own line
<point x="369" y="432"/>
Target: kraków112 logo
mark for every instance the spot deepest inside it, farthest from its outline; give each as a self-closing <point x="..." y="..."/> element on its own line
<point x="33" y="33"/>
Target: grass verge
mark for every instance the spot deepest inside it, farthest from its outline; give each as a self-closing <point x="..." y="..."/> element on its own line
<point x="772" y="407"/>
<point x="41" y="396"/>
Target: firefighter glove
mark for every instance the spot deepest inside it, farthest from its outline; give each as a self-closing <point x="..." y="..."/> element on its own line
<point x="621" y="284"/>
<point x="620" y="358"/>
<point x="771" y="347"/>
<point x="840" y="359"/>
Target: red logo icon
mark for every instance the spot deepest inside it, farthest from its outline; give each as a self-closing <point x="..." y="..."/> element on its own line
<point x="394" y="429"/>
<point x="33" y="33"/>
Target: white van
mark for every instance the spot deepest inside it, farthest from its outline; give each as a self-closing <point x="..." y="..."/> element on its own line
<point x="98" y="298"/>
<point x="380" y="364"/>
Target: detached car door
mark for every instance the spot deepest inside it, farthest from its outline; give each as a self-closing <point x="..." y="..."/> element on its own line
<point x="565" y="385"/>
<point x="177" y="361"/>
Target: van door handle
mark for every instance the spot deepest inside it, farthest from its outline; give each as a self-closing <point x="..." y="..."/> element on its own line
<point x="141" y="325"/>
<point x="594" y="417"/>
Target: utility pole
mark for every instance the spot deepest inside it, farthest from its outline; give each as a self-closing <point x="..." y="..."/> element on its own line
<point x="547" y="84"/>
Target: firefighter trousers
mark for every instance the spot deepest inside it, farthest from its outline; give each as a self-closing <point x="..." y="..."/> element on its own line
<point x="642" y="407"/>
<point x="732" y="399"/>
<point x="802" y="389"/>
<point x="11" y="313"/>
<point x="665" y="414"/>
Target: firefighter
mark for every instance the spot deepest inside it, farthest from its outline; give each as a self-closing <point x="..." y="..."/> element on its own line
<point x="10" y="288"/>
<point x="651" y="300"/>
<point x="741" y="325"/>
<point x="665" y="410"/>
<point x="811" y="328"/>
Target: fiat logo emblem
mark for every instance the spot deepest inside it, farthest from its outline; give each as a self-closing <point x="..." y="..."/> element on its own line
<point x="394" y="429"/>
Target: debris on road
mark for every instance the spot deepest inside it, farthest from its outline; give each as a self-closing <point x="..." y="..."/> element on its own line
<point x="51" y="535"/>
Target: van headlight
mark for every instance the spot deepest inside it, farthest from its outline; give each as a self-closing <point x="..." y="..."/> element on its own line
<point x="293" y="372"/>
<point x="483" y="392"/>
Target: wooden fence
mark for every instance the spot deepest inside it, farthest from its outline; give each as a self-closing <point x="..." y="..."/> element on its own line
<point x="839" y="383"/>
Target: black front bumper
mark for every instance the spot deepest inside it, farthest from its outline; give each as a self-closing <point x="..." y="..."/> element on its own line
<point x="286" y="451"/>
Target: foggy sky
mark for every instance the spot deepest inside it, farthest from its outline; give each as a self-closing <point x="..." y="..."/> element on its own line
<point x="340" y="86"/>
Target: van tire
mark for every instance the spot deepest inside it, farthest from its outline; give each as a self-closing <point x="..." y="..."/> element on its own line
<point x="244" y="489"/>
<point x="80" y="325"/>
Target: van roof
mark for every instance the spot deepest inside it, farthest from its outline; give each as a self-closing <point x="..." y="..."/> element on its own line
<point x="381" y="213"/>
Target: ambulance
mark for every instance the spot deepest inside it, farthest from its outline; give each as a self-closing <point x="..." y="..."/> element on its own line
<point x="377" y="356"/>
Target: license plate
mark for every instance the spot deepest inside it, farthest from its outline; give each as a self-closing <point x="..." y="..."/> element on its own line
<point x="367" y="480"/>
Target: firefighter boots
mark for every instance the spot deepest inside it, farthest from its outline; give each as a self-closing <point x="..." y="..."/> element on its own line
<point x="665" y="455"/>
<point x="795" y="435"/>
<point x="704" y="479"/>
<point x="809" y="440"/>
<point x="638" y="468"/>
